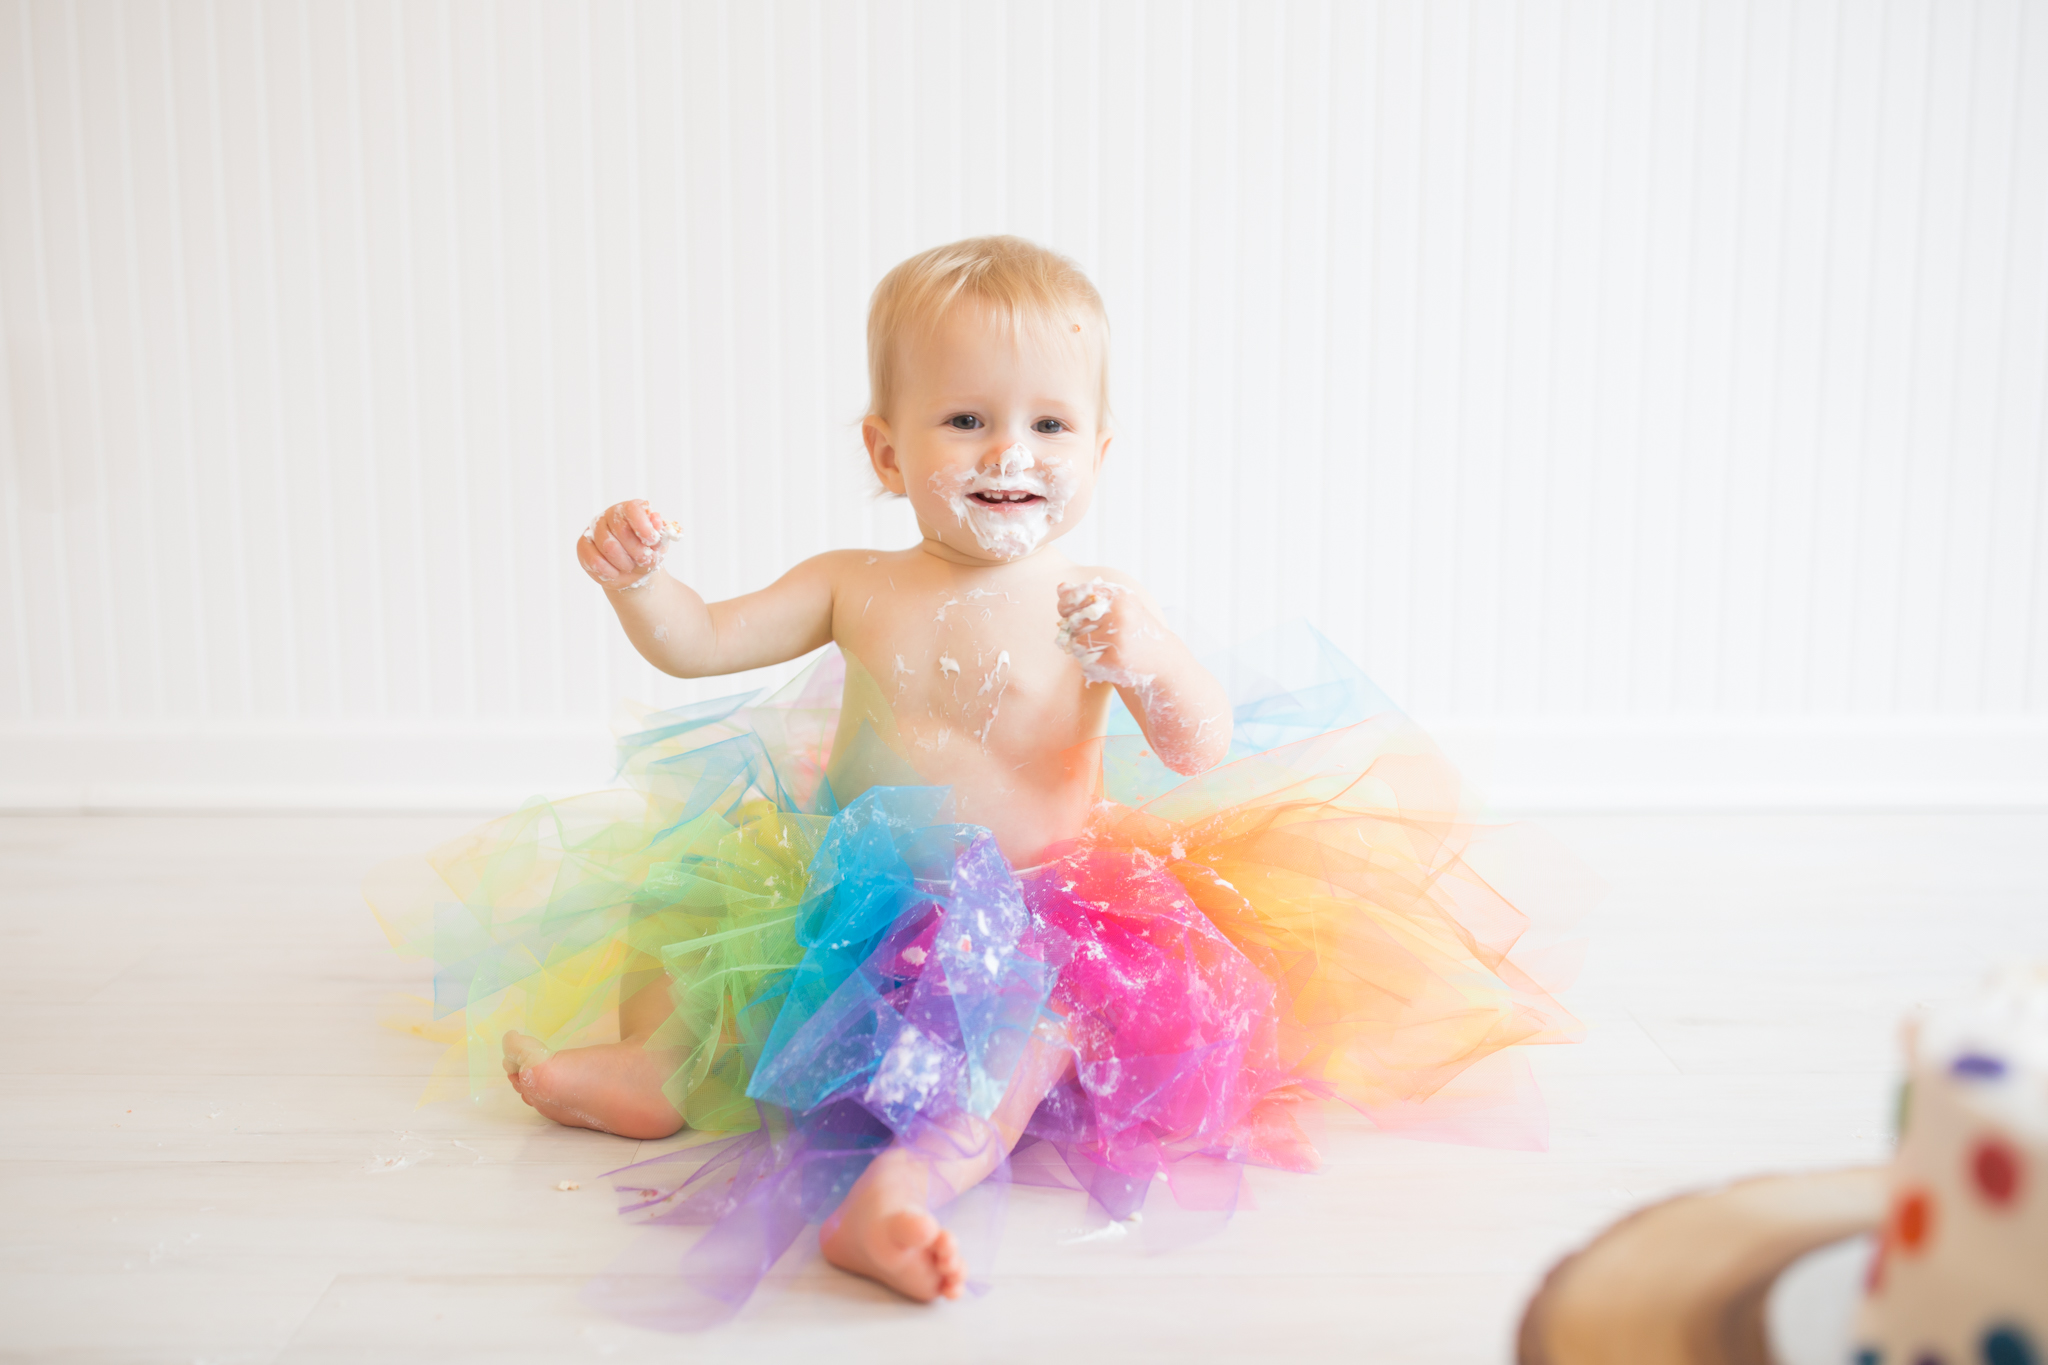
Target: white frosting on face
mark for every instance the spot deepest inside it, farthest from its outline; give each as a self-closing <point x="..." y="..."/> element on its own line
<point x="1013" y="531"/>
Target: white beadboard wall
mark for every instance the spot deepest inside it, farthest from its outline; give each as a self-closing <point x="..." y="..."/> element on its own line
<point x="1648" y="392"/>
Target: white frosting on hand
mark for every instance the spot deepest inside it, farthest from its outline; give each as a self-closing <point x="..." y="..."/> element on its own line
<point x="671" y="532"/>
<point x="1082" y="607"/>
<point x="1010" y="533"/>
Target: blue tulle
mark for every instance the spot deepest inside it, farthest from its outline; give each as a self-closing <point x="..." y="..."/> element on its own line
<point x="912" y="1005"/>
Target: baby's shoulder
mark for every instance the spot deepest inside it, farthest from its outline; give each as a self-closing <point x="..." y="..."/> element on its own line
<point x="1108" y="573"/>
<point x="839" y="564"/>
<point x="1083" y="573"/>
<point x="861" y="573"/>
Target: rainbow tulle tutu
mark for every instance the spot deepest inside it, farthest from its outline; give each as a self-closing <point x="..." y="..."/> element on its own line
<point x="1309" y="920"/>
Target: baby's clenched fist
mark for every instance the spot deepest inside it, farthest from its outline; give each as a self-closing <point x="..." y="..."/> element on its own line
<point x="623" y="547"/>
<point x="1099" y="622"/>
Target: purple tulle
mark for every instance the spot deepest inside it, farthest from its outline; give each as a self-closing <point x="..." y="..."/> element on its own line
<point x="1172" y="1032"/>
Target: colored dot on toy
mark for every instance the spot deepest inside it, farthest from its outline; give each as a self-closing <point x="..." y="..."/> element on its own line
<point x="1996" y="1168"/>
<point x="1978" y="1066"/>
<point x="1867" y="1356"/>
<point x="2009" y="1346"/>
<point x="1911" y="1219"/>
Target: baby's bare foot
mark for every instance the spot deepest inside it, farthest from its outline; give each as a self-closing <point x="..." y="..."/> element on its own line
<point x="614" y="1087"/>
<point x="885" y="1232"/>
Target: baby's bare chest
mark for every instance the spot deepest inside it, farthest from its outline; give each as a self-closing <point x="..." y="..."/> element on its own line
<point x="970" y="664"/>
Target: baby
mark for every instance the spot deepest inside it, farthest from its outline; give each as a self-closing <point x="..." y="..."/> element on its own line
<point x="995" y="652"/>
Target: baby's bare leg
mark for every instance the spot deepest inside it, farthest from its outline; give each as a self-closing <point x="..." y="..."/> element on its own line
<point x="613" y="1087"/>
<point x="885" y="1229"/>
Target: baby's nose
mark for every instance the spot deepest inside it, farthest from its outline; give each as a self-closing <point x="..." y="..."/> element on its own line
<point x="1015" y="460"/>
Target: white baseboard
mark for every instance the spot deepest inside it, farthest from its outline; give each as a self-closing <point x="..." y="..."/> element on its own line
<point x="402" y="766"/>
<point x="1753" y="763"/>
<point x="1524" y="765"/>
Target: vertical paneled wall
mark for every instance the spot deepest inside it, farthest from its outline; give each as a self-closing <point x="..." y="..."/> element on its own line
<point x="1594" y="358"/>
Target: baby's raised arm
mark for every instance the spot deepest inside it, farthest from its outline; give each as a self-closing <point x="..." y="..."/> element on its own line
<point x="1114" y="631"/>
<point x="676" y="630"/>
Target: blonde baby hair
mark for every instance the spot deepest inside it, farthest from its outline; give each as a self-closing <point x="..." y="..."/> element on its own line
<point x="1021" y="283"/>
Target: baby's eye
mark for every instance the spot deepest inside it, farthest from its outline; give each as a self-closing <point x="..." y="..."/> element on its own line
<point x="964" y="421"/>
<point x="1048" y="426"/>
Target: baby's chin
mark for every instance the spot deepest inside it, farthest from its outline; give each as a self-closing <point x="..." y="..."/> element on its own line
<point x="1002" y="534"/>
<point x="995" y="546"/>
<point x="966" y="550"/>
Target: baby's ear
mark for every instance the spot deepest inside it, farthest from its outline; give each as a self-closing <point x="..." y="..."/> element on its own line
<point x="881" y="454"/>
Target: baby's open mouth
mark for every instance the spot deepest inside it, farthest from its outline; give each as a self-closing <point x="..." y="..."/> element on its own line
<point x="1002" y="497"/>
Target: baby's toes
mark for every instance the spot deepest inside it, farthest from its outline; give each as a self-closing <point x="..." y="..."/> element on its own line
<point x="523" y="1052"/>
<point x="948" y="1265"/>
<point x="522" y="1083"/>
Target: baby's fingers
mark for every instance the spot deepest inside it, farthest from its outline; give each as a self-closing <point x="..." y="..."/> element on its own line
<point x="614" y="552"/>
<point x="615" y="528"/>
<point x="1075" y="596"/>
<point x="640" y="522"/>
<point x="1087" y="610"/>
<point x="593" y="563"/>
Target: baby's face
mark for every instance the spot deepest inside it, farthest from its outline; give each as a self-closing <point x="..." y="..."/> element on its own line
<point x="994" y="438"/>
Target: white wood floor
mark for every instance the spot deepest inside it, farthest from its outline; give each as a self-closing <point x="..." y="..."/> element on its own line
<point x="196" y="1083"/>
